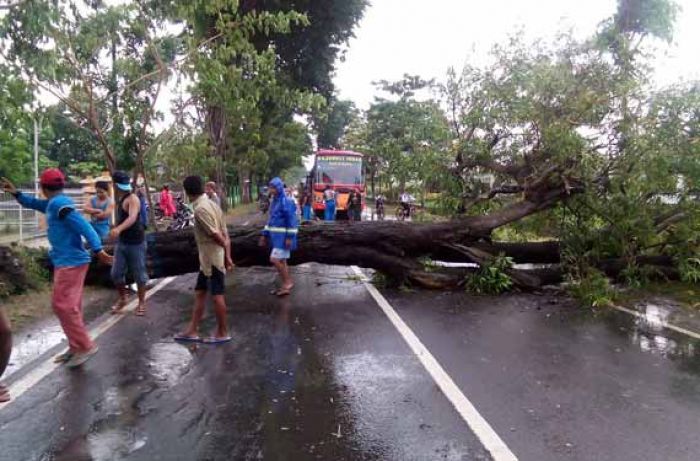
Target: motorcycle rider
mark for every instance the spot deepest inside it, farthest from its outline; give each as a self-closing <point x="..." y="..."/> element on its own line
<point x="379" y="206"/>
<point x="406" y="200"/>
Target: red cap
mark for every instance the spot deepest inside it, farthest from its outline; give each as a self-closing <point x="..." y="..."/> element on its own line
<point x="52" y="177"/>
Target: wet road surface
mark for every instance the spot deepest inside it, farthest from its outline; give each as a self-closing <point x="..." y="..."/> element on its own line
<point x="324" y="375"/>
<point x="558" y="382"/>
<point x="320" y="375"/>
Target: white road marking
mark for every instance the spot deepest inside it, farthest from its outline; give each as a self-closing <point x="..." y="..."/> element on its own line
<point x="481" y="428"/>
<point x="666" y="325"/>
<point x="43" y="369"/>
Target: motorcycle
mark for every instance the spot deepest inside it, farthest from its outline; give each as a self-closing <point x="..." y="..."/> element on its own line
<point x="402" y="213"/>
<point x="183" y="218"/>
<point x="158" y="212"/>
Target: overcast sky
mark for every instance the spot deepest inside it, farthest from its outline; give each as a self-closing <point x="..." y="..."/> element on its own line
<point x="425" y="38"/>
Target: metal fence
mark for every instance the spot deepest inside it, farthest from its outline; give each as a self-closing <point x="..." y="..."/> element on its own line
<point x="19" y="224"/>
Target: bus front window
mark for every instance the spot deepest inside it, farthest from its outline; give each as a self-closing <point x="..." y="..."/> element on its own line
<point x="339" y="170"/>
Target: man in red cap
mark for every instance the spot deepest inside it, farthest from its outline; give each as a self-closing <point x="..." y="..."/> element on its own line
<point x="66" y="230"/>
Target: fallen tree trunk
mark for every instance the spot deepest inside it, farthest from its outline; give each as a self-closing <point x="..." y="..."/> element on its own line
<point x="390" y="247"/>
<point x="393" y="248"/>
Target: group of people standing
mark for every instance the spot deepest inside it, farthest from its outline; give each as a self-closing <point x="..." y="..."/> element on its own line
<point x="330" y="196"/>
<point x="74" y="242"/>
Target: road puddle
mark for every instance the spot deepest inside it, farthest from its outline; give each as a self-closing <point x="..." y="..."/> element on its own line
<point x="114" y="436"/>
<point x="114" y="444"/>
<point x="109" y="439"/>
<point x="651" y="335"/>
<point x="29" y="345"/>
<point x="169" y="362"/>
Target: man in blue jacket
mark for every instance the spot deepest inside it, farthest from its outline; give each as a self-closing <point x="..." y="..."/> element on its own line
<point x="281" y="234"/>
<point x="66" y="230"/>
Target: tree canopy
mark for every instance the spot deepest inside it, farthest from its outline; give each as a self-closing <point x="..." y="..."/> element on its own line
<point x="571" y="131"/>
<point x="246" y="69"/>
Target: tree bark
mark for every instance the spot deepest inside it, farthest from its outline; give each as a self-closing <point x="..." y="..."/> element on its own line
<point x="396" y="249"/>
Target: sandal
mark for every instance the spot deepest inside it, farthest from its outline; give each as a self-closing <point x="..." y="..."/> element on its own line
<point x="118" y="308"/>
<point x="187" y="339"/>
<point x="63" y="358"/>
<point x="140" y="311"/>
<point x="285" y="291"/>
<point x="4" y="394"/>
<point x="215" y="340"/>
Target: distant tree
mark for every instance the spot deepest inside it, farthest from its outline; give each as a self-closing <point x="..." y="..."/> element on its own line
<point x="405" y="138"/>
<point x="73" y="147"/>
<point x="332" y="124"/>
<point x="308" y="54"/>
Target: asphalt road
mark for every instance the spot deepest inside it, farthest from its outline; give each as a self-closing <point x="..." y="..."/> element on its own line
<point x="324" y="375"/>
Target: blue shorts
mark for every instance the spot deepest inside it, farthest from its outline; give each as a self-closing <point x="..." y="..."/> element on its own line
<point x="131" y="258"/>
<point x="279" y="253"/>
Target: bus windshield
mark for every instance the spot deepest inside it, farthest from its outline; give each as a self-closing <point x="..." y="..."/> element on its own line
<point x="339" y="169"/>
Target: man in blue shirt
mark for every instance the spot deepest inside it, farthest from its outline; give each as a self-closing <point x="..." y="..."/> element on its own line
<point x="66" y="230"/>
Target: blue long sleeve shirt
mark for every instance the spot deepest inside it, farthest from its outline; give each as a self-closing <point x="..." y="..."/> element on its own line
<point x="66" y="230"/>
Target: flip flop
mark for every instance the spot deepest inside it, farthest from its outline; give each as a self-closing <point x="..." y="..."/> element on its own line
<point x="187" y="339"/>
<point x="285" y="291"/>
<point x="214" y="340"/>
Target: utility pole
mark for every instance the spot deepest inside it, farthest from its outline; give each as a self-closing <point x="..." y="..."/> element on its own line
<point x="37" y="129"/>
